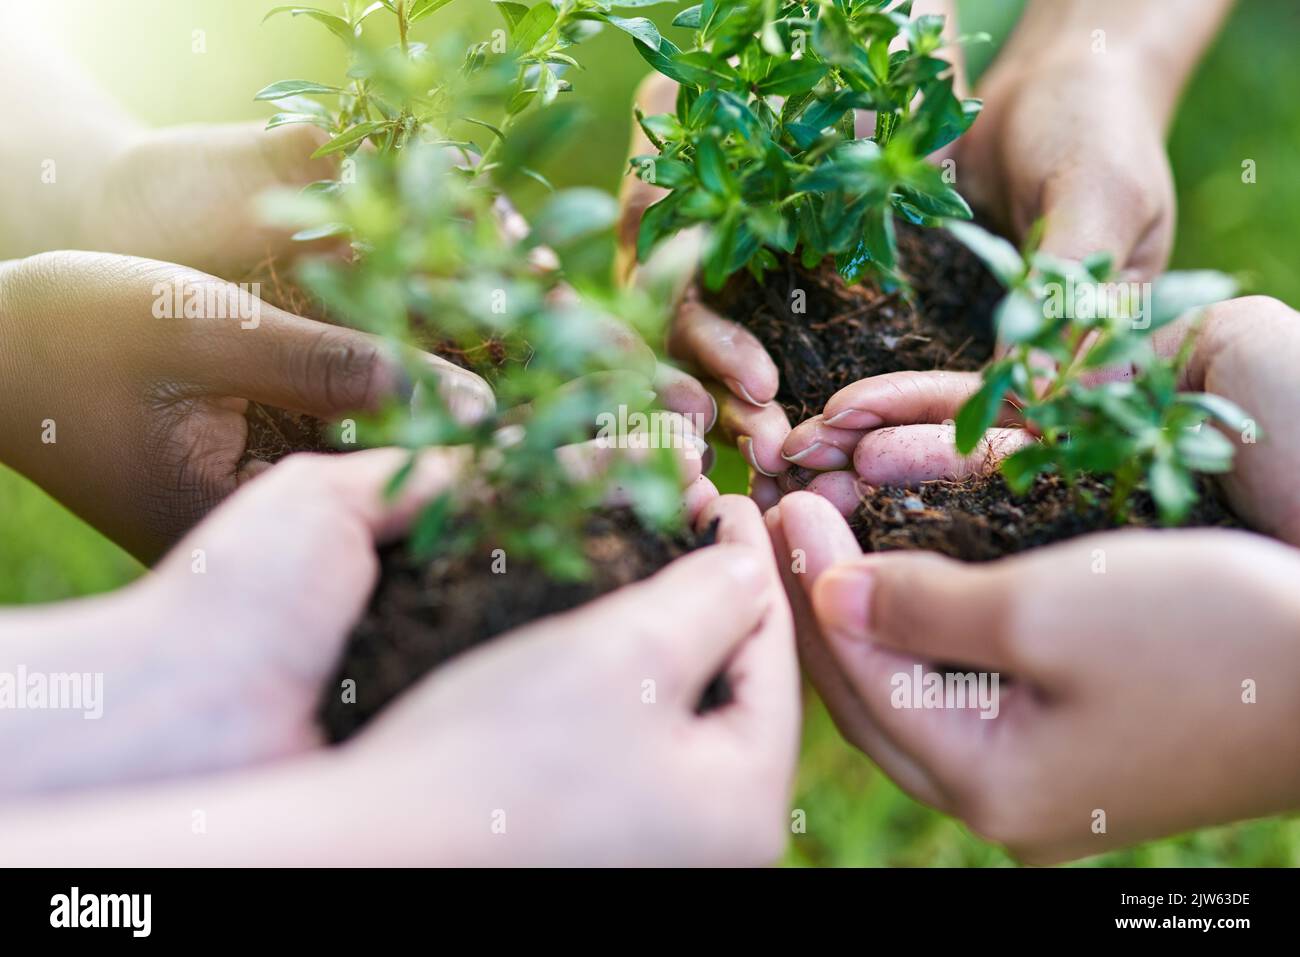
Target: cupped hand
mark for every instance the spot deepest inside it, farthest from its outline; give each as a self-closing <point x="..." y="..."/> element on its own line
<point x="577" y="739"/>
<point x="128" y="405"/>
<point x="896" y="429"/>
<point x="1148" y="681"/>
<point x="217" y="659"/>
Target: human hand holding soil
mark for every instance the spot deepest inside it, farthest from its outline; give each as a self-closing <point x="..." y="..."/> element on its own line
<point x="1147" y="676"/>
<point x="896" y="429"/>
<point x="231" y="638"/>
<point x="126" y="381"/>
<point x="599" y="757"/>
<point x="605" y="699"/>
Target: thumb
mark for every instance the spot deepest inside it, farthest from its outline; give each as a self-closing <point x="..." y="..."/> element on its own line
<point x="919" y="604"/>
<point x="258" y="352"/>
<point x="690" y="618"/>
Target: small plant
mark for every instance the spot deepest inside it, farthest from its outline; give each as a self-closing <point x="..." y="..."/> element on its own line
<point x="398" y="94"/>
<point x="1081" y="319"/>
<point x="433" y="268"/>
<point x="762" y="146"/>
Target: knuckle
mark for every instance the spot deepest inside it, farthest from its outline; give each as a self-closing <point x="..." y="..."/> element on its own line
<point x="343" y="369"/>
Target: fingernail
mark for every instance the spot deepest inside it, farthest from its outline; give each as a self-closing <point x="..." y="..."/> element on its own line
<point x="714" y="420"/>
<point x="738" y="387"/>
<point x="854" y="419"/>
<point x="746" y="446"/>
<point x="843" y="602"/>
<point x="802" y="454"/>
<point x="468" y="398"/>
<point x="831" y="457"/>
<point x="403" y="386"/>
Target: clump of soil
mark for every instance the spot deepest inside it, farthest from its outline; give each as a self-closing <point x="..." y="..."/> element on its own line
<point x="852" y="332"/>
<point x="980" y="519"/>
<point x="425" y="613"/>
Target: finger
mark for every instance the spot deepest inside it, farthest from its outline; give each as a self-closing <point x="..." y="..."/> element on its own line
<point x="903" y="398"/>
<point x="916" y="603"/>
<point x="355" y="484"/>
<point x="844" y="490"/>
<point x="1087" y="210"/>
<point x="757" y="432"/>
<point x="912" y="454"/>
<point x="891" y="621"/>
<point x="682" y="393"/>
<point x="815" y="445"/>
<point x="724" y="351"/>
<point x="764" y="672"/>
<point x="697" y="497"/>
<point x="253" y="350"/>
<point x="586" y="461"/>
<point x="810" y="539"/>
<point x="705" y="604"/>
<point x="764" y="491"/>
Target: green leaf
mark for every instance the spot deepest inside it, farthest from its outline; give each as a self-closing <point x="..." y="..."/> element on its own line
<point x="690" y="17"/>
<point x="422" y="8"/>
<point x="1229" y="414"/>
<point x="1176" y="293"/>
<point x="639" y="28"/>
<point x="336" y="24"/>
<point x="1021" y="467"/>
<point x="323" y="231"/>
<point x="350" y="137"/>
<point x="711" y="164"/>
<point x="792" y="78"/>
<point x="1018" y="318"/>
<point x="1204" y="449"/>
<point x="719" y="251"/>
<point x="287" y="119"/>
<point x="655" y="224"/>
<point x="1173" y="490"/>
<point x="286" y="88"/>
<point x="1002" y="258"/>
<point x="980" y="411"/>
<point x="573" y="215"/>
<point x="431" y="525"/>
<point x="533" y="27"/>
<point x="512" y="11"/>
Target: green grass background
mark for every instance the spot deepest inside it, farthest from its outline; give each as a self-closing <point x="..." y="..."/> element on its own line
<point x="1240" y="106"/>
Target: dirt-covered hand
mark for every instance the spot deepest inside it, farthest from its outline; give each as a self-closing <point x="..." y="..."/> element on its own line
<point x="125" y="381"/>
<point x="896" y="429"/>
<point x="1148" y="682"/>
<point x="577" y="739"/>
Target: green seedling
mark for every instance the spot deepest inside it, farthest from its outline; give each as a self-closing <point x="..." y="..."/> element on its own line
<point x="1062" y="321"/>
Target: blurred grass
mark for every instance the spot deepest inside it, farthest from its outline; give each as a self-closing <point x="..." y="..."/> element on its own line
<point x="1240" y="106"/>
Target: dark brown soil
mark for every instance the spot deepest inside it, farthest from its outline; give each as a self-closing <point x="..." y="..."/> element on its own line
<point x="979" y="519"/>
<point x="423" y="613"/>
<point x="852" y="332"/>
